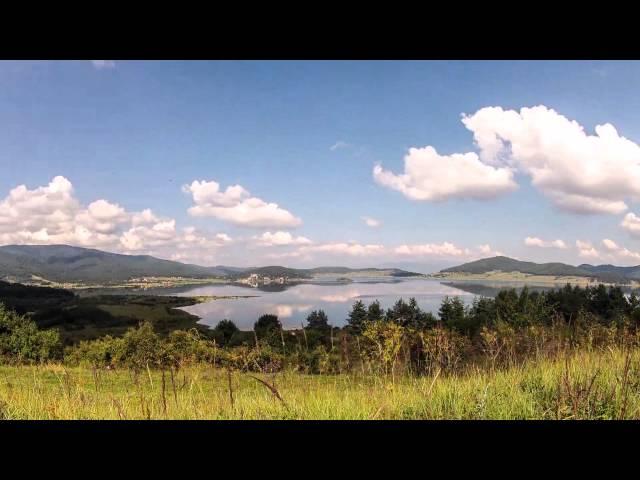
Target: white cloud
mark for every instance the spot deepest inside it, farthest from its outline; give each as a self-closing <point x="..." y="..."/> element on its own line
<point x="343" y="248"/>
<point x="487" y="251"/>
<point x="586" y="249"/>
<point x="355" y="249"/>
<point x="371" y="222"/>
<point x="52" y="214"/>
<point x="144" y="237"/>
<point x="279" y="238"/>
<point x="338" y="145"/>
<point x="103" y="64"/>
<point x="434" y="177"/>
<point x="579" y="173"/>
<point x="538" y="242"/>
<point x="631" y="223"/>
<point x="223" y="237"/>
<point x="444" y="249"/>
<point x="620" y="253"/>
<point x="235" y="205"/>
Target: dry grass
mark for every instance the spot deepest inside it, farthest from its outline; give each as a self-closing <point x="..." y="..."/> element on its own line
<point x="584" y="385"/>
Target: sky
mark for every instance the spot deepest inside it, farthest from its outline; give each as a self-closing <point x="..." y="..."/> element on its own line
<point x="414" y="164"/>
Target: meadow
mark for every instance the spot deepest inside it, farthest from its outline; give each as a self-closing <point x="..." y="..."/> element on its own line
<point x="580" y="385"/>
<point x="572" y="353"/>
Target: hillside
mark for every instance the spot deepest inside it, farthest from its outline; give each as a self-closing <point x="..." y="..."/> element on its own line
<point x="64" y="263"/>
<point x="607" y="273"/>
<point x="506" y="264"/>
<point x="612" y="271"/>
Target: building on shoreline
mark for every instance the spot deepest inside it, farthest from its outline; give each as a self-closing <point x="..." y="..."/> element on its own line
<point x="254" y="280"/>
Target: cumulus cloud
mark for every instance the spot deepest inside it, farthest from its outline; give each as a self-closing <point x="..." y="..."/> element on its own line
<point x="431" y="176"/>
<point x="586" y="249"/>
<point x="487" y="251"/>
<point x="577" y="172"/>
<point x="631" y="223"/>
<point x="52" y="214"/>
<point x="237" y="206"/>
<point x="538" y="242"/>
<point x="354" y="249"/>
<point x="279" y="238"/>
<point x="619" y="252"/>
<point x="371" y="222"/>
<point x="445" y="250"/>
<point x="103" y="64"/>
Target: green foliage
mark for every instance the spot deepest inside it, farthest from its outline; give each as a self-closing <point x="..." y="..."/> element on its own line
<point x="357" y="318"/>
<point x="100" y="353"/>
<point x="225" y="331"/>
<point x="409" y="315"/>
<point x="500" y="331"/>
<point x="452" y="313"/>
<point x="182" y="348"/>
<point x="383" y="343"/>
<point x="141" y="348"/>
<point x="375" y="313"/>
<point x="22" y="341"/>
<point x="266" y="325"/>
<point x="318" y="320"/>
<point x="268" y="330"/>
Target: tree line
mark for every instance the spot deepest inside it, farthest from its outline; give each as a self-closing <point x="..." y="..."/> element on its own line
<point x="512" y="326"/>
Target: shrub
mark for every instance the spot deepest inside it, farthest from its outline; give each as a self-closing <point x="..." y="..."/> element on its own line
<point x="22" y="341"/>
<point x="140" y="348"/>
<point x="100" y="353"/>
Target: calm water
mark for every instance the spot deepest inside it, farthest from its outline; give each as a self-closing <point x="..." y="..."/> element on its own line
<point x="292" y="304"/>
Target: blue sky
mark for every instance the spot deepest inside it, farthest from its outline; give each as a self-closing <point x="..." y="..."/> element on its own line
<point x="134" y="133"/>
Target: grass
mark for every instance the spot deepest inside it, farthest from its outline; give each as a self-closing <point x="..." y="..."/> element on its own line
<point x="88" y="318"/>
<point x="585" y="385"/>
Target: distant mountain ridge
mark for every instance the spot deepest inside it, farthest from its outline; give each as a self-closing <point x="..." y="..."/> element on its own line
<point x="65" y="263"/>
<point x="610" y="273"/>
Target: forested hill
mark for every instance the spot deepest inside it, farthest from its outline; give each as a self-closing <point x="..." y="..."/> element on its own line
<point x="64" y="263"/>
<point x="505" y="264"/>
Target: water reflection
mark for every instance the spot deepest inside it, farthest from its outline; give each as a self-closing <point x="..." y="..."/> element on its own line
<point x="293" y="304"/>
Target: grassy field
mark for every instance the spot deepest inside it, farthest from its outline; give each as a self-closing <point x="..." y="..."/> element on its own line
<point x="596" y="385"/>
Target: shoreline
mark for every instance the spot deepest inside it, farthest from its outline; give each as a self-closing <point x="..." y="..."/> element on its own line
<point x="519" y="277"/>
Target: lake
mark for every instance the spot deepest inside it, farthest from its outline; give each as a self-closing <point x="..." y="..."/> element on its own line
<point x="292" y="303"/>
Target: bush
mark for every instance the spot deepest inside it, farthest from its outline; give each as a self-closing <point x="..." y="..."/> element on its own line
<point x="140" y="348"/>
<point x="22" y="341"/>
<point x="100" y="353"/>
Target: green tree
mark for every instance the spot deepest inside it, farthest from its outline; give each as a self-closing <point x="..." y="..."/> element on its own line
<point x="318" y="320"/>
<point x="141" y="348"/>
<point x="375" y="312"/>
<point x="357" y="318"/>
<point x="452" y="313"/>
<point x="224" y="331"/>
<point x="268" y="328"/>
<point x="22" y="341"/>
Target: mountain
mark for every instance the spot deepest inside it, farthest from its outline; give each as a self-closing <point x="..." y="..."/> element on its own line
<point x="279" y="271"/>
<point x="506" y="264"/>
<point x="610" y="273"/>
<point x="64" y="263"/>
